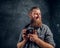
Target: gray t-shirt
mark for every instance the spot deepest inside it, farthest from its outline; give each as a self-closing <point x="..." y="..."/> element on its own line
<point x="43" y="32"/>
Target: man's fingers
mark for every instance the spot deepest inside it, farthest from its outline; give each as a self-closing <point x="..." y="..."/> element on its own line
<point x="30" y="35"/>
<point x="24" y="30"/>
<point x="24" y="36"/>
<point x="35" y="31"/>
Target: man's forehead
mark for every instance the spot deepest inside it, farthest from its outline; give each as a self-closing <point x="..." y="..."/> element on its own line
<point x="36" y="10"/>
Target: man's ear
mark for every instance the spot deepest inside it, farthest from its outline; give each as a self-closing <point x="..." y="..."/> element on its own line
<point x="29" y="14"/>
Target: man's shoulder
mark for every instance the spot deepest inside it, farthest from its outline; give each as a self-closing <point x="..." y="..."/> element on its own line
<point x="27" y="25"/>
<point x="45" y="26"/>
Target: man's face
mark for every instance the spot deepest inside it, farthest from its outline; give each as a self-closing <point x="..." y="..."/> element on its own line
<point x="35" y="15"/>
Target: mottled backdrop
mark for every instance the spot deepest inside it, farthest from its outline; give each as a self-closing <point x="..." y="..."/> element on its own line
<point x="14" y="16"/>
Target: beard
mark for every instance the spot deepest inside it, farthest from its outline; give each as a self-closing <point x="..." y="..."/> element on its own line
<point x="36" y="22"/>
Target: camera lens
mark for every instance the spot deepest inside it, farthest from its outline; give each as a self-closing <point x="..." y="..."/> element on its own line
<point x="29" y="31"/>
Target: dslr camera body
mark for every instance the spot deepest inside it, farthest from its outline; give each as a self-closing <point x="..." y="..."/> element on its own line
<point x="30" y="31"/>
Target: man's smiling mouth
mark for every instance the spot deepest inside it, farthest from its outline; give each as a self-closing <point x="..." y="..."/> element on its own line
<point x="37" y="17"/>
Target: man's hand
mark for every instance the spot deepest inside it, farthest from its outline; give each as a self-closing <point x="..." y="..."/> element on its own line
<point x="33" y="36"/>
<point x="25" y="37"/>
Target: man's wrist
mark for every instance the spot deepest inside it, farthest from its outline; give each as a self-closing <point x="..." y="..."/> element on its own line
<point x="36" y="39"/>
<point x="24" y="40"/>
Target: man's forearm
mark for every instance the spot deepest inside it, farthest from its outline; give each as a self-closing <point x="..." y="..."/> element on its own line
<point x="43" y="44"/>
<point x="21" y="44"/>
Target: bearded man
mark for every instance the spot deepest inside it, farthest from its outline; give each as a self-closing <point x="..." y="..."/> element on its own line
<point x="36" y="34"/>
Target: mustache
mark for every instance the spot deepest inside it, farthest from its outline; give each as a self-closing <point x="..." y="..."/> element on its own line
<point x="34" y="21"/>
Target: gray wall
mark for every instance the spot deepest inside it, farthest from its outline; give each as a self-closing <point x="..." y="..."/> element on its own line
<point x="14" y="16"/>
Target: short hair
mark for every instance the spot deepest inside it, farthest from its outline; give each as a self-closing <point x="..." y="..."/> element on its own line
<point x="35" y="7"/>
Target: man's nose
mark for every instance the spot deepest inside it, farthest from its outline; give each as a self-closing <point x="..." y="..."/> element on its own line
<point x="35" y="15"/>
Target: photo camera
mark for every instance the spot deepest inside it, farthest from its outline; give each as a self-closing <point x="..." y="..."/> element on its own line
<point x="29" y="31"/>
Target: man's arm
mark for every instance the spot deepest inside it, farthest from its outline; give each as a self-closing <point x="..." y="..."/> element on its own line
<point x="48" y="41"/>
<point x="40" y="42"/>
<point x="43" y="44"/>
<point x="21" y="44"/>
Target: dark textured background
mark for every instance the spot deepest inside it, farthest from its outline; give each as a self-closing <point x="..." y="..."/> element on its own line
<point x="13" y="17"/>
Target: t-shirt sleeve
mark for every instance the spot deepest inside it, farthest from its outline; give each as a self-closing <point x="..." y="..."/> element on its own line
<point x="49" y="36"/>
<point x="20" y="37"/>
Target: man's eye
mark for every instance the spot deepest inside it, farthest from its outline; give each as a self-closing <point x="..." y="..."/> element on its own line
<point x="35" y="13"/>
